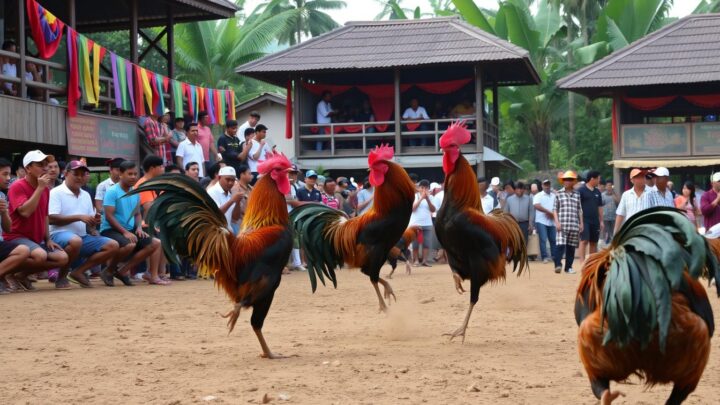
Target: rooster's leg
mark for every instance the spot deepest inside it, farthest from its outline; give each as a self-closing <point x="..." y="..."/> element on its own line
<point x="601" y="390"/>
<point x="458" y="283"/>
<point x="233" y="317"/>
<point x="609" y="396"/>
<point x="388" y="290"/>
<point x="391" y="272"/>
<point x="408" y="268"/>
<point x="383" y="307"/>
<point x="267" y="354"/>
<point x="461" y="330"/>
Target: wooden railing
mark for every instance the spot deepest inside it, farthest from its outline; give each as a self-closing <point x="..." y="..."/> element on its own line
<point x="358" y="138"/>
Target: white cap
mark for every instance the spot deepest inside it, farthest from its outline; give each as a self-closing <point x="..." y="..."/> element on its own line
<point x="36" y="156"/>
<point x="661" y="172"/>
<point x="227" y="171"/>
<point x="715" y="177"/>
<point x="495" y="181"/>
<point x="434" y="185"/>
<point x="713" y="232"/>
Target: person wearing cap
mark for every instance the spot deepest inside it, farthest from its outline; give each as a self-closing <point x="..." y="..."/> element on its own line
<point x="259" y="148"/>
<point x="592" y="207"/>
<point x="636" y="199"/>
<point x="310" y="192"/>
<point x="158" y="139"/>
<point x="710" y="203"/>
<point x="190" y="150"/>
<point x="101" y="189"/>
<point x="73" y="226"/>
<point x="12" y="254"/>
<point x="206" y="140"/>
<point x="122" y="222"/>
<point x="28" y="204"/>
<point x="229" y="145"/>
<point x="227" y="197"/>
<point x="568" y="217"/>
<point x="664" y="196"/>
<point x="544" y="204"/>
<point x="252" y="121"/>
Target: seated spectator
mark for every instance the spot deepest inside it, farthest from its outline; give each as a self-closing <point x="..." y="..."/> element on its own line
<point x="416" y="112"/>
<point x="192" y="170"/>
<point x="227" y="197"/>
<point x="73" y="222"/>
<point x="153" y="167"/>
<point x="54" y="173"/>
<point x="328" y="194"/>
<point x="12" y="254"/>
<point x="309" y="192"/>
<point x="324" y="114"/>
<point x="101" y="189"/>
<point x="9" y="68"/>
<point x="29" y="198"/>
<point x="122" y="222"/>
<point x="463" y="109"/>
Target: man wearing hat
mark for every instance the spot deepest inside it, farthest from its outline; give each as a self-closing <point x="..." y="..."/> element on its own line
<point x="226" y="196"/>
<point x="101" y="189"/>
<point x="664" y="196"/>
<point x="636" y="199"/>
<point x="73" y="226"/>
<point x="309" y="192"/>
<point x="28" y="202"/>
<point x="710" y="203"/>
<point x="229" y="145"/>
<point x="568" y="218"/>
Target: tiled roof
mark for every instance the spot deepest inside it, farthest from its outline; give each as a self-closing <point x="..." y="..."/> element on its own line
<point x="685" y="52"/>
<point x="396" y="43"/>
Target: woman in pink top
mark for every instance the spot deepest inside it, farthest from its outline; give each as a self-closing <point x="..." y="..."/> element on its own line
<point x="686" y="202"/>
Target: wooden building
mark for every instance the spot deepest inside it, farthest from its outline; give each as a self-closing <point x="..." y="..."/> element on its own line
<point x="665" y="89"/>
<point x="41" y="121"/>
<point x="374" y="69"/>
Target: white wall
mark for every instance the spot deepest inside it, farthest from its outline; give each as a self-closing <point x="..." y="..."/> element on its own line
<point x="272" y="115"/>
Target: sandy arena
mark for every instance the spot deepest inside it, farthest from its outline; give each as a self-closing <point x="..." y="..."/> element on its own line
<point x="167" y="345"/>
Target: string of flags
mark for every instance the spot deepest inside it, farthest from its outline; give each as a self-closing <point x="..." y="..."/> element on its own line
<point x="137" y="90"/>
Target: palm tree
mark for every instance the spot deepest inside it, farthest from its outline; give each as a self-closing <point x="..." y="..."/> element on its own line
<point x="308" y="18"/>
<point x="208" y="52"/>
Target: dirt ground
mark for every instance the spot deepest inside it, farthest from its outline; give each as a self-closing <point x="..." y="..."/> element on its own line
<point x="167" y="345"/>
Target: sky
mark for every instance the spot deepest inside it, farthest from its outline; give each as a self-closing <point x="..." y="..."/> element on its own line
<point x="362" y="10"/>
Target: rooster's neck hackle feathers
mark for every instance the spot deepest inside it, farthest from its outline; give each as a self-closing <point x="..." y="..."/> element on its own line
<point x="266" y="206"/>
<point x="396" y="191"/>
<point x="461" y="186"/>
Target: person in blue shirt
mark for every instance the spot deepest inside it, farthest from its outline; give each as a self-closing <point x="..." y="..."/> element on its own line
<point x="309" y="192"/>
<point x="122" y="222"/>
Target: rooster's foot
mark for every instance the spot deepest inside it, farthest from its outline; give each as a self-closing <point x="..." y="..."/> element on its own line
<point x="458" y="283"/>
<point x="408" y="268"/>
<point x="609" y="396"/>
<point x="233" y="317"/>
<point x="388" y="291"/>
<point x="458" y="332"/>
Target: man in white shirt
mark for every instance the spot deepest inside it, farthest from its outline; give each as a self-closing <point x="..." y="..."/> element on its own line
<point x="114" y="165"/>
<point x="258" y="150"/>
<point x="71" y="213"/>
<point x="544" y="203"/>
<point x="190" y="150"/>
<point x="487" y="202"/>
<point x="323" y="115"/>
<point x="226" y="196"/>
<point x="634" y="200"/>
<point x="252" y="121"/>
<point x="416" y="112"/>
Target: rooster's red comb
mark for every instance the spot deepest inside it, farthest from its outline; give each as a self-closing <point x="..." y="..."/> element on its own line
<point x="274" y="161"/>
<point x="456" y="134"/>
<point x="382" y="152"/>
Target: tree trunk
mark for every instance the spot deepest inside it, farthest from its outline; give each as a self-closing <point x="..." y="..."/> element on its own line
<point x="571" y="95"/>
<point x="540" y="134"/>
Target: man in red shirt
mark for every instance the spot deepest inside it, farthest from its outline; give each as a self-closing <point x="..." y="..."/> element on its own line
<point x="206" y="140"/>
<point x="29" y="199"/>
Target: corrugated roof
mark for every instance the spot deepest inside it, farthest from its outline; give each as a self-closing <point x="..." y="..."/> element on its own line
<point x="684" y="52"/>
<point x="397" y="43"/>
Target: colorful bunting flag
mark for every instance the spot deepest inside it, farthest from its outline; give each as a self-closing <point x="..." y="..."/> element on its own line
<point x="73" y="88"/>
<point x="46" y="29"/>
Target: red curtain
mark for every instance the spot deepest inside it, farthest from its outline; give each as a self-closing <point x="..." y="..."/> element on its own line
<point x="614" y="123"/>
<point x="445" y="87"/>
<point x="288" y="110"/>
<point x="705" y="101"/>
<point x="382" y="101"/>
<point x="317" y="89"/>
<point x="648" y="103"/>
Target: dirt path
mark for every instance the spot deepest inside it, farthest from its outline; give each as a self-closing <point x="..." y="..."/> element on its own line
<point x="167" y="345"/>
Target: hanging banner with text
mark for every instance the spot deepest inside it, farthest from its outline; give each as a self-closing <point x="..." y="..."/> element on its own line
<point x="92" y="136"/>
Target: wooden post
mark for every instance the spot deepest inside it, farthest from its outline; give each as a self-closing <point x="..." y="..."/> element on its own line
<point x="297" y="115"/>
<point x="479" y="108"/>
<point x="71" y="13"/>
<point x="22" y="90"/>
<point x="398" y="128"/>
<point x="496" y="109"/>
<point x="170" y="37"/>
<point x="134" y="31"/>
<point x="617" y="110"/>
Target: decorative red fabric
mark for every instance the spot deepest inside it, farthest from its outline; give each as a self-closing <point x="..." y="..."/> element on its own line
<point x="73" y="87"/>
<point x="613" y="123"/>
<point x="139" y="92"/>
<point x="317" y="89"/>
<point x="288" y="110"/>
<point x="705" y="101"/>
<point x="446" y="87"/>
<point x="411" y="126"/>
<point x="648" y="103"/>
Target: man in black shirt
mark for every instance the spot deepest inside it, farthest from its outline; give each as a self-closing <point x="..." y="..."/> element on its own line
<point x="229" y="145"/>
<point x="309" y="192"/>
<point x="591" y="201"/>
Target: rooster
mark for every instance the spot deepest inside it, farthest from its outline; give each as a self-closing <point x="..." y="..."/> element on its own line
<point x="640" y="309"/>
<point x="477" y="245"/>
<point x="401" y="250"/>
<point x="247" y="267"/>
<point x="330" y="239"/>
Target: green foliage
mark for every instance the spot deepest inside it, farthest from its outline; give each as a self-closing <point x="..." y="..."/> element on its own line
<point x="306" y="18"/>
